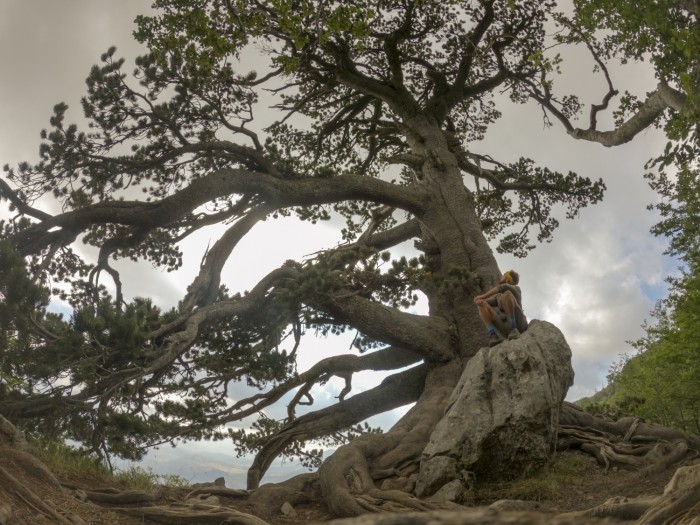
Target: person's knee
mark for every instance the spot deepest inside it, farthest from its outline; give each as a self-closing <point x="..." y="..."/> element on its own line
<point x="508" y="298"/>
<point x="486" y="313"/>
<point x="508" y="302"/>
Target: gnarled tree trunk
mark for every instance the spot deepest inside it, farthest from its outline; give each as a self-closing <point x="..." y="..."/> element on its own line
<point x="376" y="472"/>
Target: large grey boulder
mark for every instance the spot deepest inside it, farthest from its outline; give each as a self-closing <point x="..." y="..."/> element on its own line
<point x="502" y="418"/>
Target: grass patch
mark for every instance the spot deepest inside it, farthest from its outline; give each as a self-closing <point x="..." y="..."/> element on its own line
<point x="550" y="483"/>
<point x="139" y="478"/>
<point x="62" y="459"/>
<point x="68" y="462"/>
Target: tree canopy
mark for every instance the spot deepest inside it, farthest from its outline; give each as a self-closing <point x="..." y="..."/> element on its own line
<point x="379" y="109"/>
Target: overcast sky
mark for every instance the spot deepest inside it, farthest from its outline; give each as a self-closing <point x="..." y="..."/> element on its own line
<point x="596" y="281"/>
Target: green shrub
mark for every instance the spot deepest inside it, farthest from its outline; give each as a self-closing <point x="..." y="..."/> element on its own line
<point x="138" y="478"/>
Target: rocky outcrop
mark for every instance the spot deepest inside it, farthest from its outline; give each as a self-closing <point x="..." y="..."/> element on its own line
<point x="502" y="418"/>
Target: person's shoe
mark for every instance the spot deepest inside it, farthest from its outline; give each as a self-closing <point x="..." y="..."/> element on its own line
<point x="514" y="333"/>
<point x="495" y="339"/>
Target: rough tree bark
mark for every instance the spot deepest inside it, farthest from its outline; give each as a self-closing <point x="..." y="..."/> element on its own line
<point x="449" y="223"/>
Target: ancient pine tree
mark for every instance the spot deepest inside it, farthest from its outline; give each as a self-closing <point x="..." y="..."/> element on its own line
<point x="369" y="114"/>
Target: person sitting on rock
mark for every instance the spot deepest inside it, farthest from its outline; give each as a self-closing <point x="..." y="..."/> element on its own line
<point x="500" y="309"/>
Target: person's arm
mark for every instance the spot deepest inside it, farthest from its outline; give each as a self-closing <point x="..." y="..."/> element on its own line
<point x="486" y="295"/>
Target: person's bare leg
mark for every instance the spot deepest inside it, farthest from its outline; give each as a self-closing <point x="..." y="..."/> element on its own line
<point x="488" y="315"/>
<point x="509" y="304"/>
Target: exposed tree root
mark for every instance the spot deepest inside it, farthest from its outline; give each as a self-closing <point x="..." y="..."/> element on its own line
<point x="219" y="491"/>
<point x="680" y="502"/>
<point x="619" y="508"/>
<point x="348" y="478"/>
<point x="628" y="443"/>
<point x="266" y="501"/>
<point x="633" y="444"/>
<point x="193" y="514"/>
<point x="31" y="499"/>
<point x="392" y="501"/>
<point x="126" y="497"/>
<point x="5" y="514"/>
<point x="361" y="478"/>
<point x="630" y="429"/>
<point x="678" y="505"/>
<point x="16" y="459"/>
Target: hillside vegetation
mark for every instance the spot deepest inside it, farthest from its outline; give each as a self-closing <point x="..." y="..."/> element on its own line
<point x="661" y="380"/>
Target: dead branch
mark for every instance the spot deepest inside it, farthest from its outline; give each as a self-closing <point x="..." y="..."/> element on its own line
<point x="205" y="286"/>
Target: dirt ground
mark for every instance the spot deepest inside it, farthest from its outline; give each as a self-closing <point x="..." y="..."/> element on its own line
<point x="591" y="486"/>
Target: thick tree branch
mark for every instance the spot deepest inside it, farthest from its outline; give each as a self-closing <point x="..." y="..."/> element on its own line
<point x="278" y="192"/>
<point x="194" y="223"/>
<point x="395" y="391"/>
<point x="471" y="48"/>
<point x="251" y="157"/>
<point x="181" y="334"/>
<point x="673" y="98"/>
<point x="346" y="73"/>
<point x="182" y="340"/>
<point x="205" y="286"/>
<point x="651" y="109"/>
<point x="664" y="97"/>
<point x="393" y="236"/>
<point x="485" y="85"/>
<point x="478" y="171"/>
<point x="20" y="204"/>
<point x="377" y="218"/>
<point x="109" y="247"/>
<point x="391" y="46"/>
<point x="344" y="116"/>
<point x="390" y="358"/>
<point x="428" y="336"/>
<point x="338" y="63"/>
